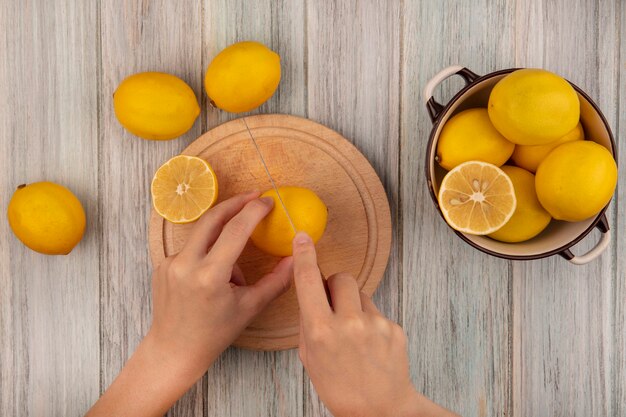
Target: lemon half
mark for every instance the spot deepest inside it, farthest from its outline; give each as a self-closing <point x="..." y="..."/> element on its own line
<point x="184" y="188"/>
<point x="477" y="198"/>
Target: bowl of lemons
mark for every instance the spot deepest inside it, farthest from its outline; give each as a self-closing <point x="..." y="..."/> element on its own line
<point x="521" y="163"/>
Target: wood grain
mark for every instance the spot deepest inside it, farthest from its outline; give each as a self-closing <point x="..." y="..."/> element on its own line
<point x="49" y="330"/>
<point x="137" y="36"/>
<point x="563" y="314"/>
<point x="297" y="152"/>
<point x="353" y="69"/>
<point x="487" y="337"/>
<point x="456" y="300"/>
<point x="617" y="334"/>
<point x="246" y="383"/>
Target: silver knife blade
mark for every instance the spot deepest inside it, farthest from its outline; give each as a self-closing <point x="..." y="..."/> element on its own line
<point x="267" y="171"/>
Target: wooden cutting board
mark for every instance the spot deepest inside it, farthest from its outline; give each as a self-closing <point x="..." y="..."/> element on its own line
<point x="302" y="153"/>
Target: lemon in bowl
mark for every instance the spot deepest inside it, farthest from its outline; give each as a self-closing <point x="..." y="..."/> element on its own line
<point x="576" y="180"/>
<point x="530" y="156"/>
<point x="477" y="198"/>
<point x="533" y="107"/>
<point x="529" y="218"/>
<point x="470" y="136"/>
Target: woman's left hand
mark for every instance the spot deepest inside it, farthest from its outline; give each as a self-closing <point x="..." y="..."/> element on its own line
<point x="201" y="304"/>
<point x="200" y="297"/>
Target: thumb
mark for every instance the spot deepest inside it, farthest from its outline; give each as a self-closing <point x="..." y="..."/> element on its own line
<point x="270" y="287"/>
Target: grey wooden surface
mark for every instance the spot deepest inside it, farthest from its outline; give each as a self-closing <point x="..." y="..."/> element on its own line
<point x="487" y="337"/>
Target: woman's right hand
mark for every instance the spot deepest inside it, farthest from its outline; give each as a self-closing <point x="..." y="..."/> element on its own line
<point x="355" y="357"/>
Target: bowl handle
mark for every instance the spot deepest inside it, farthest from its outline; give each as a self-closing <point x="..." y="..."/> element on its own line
<point x="434" y="107"/>
<point x="603" y="243"/>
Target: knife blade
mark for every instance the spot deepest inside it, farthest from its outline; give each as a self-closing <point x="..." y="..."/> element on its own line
<point x="282" y="203"/>
<point x="269" y="176"/>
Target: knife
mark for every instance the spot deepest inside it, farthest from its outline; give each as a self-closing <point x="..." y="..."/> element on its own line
<point x="282" y="203"/>
<point x="267" y="171"/>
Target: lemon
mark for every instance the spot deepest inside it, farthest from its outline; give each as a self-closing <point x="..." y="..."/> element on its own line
<point x="530" y="156"/>
<point x="477" y="198"/>
<point x="242" y="77"/>
<point x="533" y="107"/>
<point x="530" y="218"/>
<point x="184" y="188"/>
<point x="308" y="212"/>
<point x="470" y="136"/>
<point x="576" y="180"/>
<point x="154" y="105"/>
<point x="46" y="217"/>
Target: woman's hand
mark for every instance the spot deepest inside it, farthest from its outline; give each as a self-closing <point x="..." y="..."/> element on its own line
<point x="201" y="303"/>
<point x="200" y="298"/>
<point x="355" y="357"/>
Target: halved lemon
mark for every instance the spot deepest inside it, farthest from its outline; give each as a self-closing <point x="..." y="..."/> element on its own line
<point x="477" y="198"/>
<point x="184" y="188"/>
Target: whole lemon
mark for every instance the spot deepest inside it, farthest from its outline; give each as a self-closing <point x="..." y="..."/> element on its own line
<point x="155" y="105"/>
<point x="46" y="217"/>
<point x="242" y="77"/>
<point x="533" y="107"/>
<point x="529" y="218"/>
<point x="530" y="156"/>
<point x="470" y="136"/>
<point x="576" y="180"/>
<point x="274" y="233"/>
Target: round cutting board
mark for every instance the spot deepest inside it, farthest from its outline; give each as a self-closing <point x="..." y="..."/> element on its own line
<point x="302" y="153"/>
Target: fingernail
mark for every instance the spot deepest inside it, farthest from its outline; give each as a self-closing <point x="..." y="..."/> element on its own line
<point x="302" y="238"/>
<point x="268" y="201"/>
